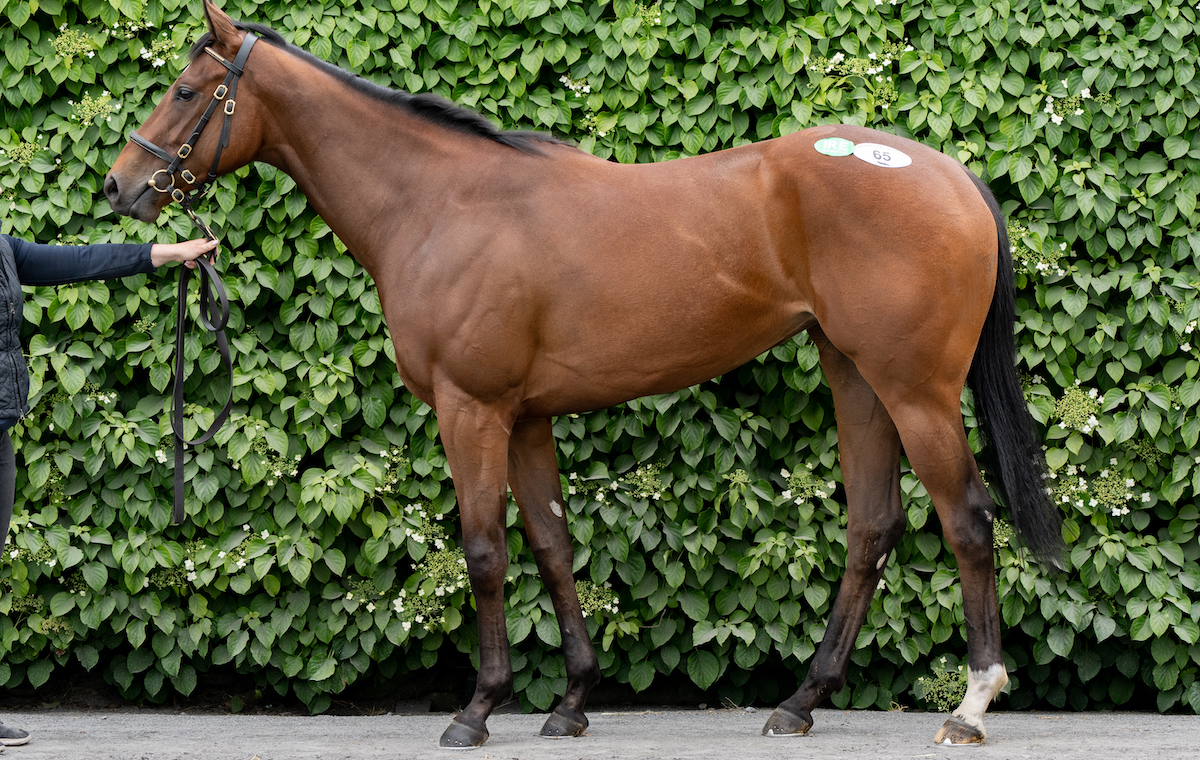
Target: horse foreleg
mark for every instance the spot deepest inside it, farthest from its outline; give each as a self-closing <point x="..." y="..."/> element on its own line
<point x="941" y="457"/>
<point x="533" y="476"/>
<point x="476" y="442"/>
<point x="870" y="456"/>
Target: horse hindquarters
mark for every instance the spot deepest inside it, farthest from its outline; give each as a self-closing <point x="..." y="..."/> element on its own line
<point x="896" y="357"/>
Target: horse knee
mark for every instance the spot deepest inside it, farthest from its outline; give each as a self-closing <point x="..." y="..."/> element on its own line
<point x="486" y="560"/>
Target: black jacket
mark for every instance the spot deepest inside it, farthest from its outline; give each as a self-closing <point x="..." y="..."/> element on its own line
<point x="23" y="263"/>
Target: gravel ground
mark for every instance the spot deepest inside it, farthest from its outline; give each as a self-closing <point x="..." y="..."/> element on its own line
<point x="654" y="734"/>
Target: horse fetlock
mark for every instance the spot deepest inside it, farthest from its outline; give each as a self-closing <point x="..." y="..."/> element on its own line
<point x="982" y="687"/>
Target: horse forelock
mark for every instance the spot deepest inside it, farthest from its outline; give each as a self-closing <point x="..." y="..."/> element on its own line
<point x="430" y="107"/>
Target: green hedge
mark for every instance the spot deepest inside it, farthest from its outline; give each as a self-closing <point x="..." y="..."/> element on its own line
<point x="709" y="522"/>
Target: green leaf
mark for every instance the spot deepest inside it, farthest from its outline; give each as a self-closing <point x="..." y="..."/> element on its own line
<point x="1061" y="639"/>
<point x="703" y="668"/>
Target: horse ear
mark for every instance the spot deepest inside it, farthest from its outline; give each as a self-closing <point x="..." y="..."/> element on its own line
<point x="221" y="26"/>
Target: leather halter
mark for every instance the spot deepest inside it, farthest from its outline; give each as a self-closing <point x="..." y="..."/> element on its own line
<point x="226" y="92"/>
<point x="214" y="304"/>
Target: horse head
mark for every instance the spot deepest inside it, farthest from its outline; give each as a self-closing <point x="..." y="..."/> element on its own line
<point x="173" y="153"/>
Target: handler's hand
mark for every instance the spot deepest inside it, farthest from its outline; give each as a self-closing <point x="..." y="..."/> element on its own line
<point x="186" y="252"/>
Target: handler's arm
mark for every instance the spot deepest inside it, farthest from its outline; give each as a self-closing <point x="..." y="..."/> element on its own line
<point x="60" y="264"/>
<point x="39" y="264"/>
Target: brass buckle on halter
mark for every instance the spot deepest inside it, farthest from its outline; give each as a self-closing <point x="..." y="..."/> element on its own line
<point x="188" y="177"/>
<point x="154" y="183"/>
<point x="177" y="195"/>
<point x="185" y="150"/>
<point x="221" y="91"/>
<point x="229" y="106"/>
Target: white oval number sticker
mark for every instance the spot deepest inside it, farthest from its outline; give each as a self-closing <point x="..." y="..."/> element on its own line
<point x="881" y="155"/>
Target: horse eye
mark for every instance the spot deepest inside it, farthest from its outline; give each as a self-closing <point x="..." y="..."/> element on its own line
<point x="184" y="94"/>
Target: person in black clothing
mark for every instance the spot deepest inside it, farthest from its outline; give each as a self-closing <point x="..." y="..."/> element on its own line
<point x="24" y="263"/>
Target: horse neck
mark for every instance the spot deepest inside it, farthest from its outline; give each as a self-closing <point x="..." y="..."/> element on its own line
<point x="367" y="167"/>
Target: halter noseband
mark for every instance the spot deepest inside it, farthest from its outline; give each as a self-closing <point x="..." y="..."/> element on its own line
<point x="225" y="92"/>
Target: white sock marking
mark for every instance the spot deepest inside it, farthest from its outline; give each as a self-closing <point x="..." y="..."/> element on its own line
<point x="982" y="687"/>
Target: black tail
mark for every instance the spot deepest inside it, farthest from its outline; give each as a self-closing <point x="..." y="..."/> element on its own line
<point x="1011" y="445"/>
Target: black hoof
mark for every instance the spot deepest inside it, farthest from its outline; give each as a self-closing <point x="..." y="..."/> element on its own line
<point x="785" y="723"/>
<point x="461" y="736"/>
<point x="560" y="725"/>
<point x="956" y="731"/>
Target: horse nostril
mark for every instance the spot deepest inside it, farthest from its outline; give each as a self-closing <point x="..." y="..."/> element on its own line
<point x="111" y="189"/>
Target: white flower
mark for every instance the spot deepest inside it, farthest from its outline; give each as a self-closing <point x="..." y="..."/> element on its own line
<point x="1129" y="482"/>
<point x="1145" y="497"/>
<point x="189" y="565"/>
<point x="407" y="625"/>
<point x="191" y="577"/>
<point x="785" y="473"/>
<point x="787" y="494"/>
<point x="52" y="563"/>
<point x="241" y="563"/>
<point x="246" y="527"/>
<point x="265" y="534"/>
<point x="221" y="555"/>
<point x="370" y="606"/>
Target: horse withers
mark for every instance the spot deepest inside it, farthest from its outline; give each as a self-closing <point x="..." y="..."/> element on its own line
<point x="522" y="278"/>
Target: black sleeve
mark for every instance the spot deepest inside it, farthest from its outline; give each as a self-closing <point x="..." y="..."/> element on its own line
<point x="39" y="264"/>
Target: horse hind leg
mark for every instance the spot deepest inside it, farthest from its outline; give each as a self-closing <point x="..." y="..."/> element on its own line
<point x="870" y="454"/>
<point x="533" y="477"/>
<point x="936" y="445"/>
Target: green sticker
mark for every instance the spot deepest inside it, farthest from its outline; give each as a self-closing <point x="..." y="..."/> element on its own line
<point x="834" y="146"/>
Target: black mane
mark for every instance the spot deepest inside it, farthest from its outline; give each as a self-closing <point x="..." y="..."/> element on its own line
<point x="432" y="108"/>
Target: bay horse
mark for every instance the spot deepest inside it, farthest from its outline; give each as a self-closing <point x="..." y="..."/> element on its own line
<point x="522" y="278"/>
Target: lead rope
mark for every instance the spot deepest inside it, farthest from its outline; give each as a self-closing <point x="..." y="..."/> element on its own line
<point x="213" y="317"/>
